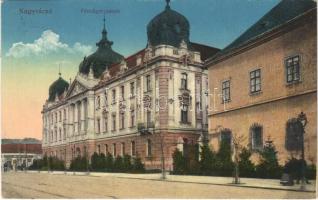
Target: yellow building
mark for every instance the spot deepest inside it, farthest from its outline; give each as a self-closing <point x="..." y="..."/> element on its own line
<point x="262" y="81"/>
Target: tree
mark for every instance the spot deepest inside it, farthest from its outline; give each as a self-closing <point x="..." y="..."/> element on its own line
<point x="237" y="147"/>
<point x="208" y="160"/>
<point x="268" y="166"/>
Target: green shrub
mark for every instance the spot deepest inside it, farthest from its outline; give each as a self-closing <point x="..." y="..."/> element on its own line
<point x="268" y="166"/>
<point x="137" y="165"/>
<point x="127" y="166"/>
<point x="246" y="167"/>
<point x="208" y="161"/>
<point x="79" y="164"/>
<point x="118" y="164"/>
<point x="224" y="163"/>
<point x="109" y="162"/>
<point x="311" y="172"/>
<point x="179" y="162"/>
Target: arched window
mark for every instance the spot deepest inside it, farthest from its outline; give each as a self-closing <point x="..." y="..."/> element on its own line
<point x="149" y="147"/>
<point x="256" y="136"/>
<point x="294" y="135"/>
<point x="226" y="136"/>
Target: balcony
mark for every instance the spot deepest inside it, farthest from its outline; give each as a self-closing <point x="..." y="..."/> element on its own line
<point x="146" y="128"/>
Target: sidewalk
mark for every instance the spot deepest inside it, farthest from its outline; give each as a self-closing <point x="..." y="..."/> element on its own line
<point x="213" y="180"/>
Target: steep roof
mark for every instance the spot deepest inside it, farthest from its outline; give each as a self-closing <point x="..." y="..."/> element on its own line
<point x="283" y="12"/>
<point x="21" y="148"/>
<point x="205" y="51"/>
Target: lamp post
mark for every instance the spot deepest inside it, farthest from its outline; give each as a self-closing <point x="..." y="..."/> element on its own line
<point x="302" y="118"/>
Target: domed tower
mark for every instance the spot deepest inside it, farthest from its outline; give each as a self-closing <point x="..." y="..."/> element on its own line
<point x="57" y="88"/>
<point x="102" y="58"/>
<point x="169" y="28"/>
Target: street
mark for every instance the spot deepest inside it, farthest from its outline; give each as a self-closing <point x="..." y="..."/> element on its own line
<point x="41" y="185"/>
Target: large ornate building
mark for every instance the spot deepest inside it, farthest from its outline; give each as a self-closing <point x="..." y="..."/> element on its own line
<point x="145" y="105"/>
<point x="264" y="79"/>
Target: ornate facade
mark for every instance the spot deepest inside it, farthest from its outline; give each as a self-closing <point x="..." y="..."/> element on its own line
<point x="145" y="105"/>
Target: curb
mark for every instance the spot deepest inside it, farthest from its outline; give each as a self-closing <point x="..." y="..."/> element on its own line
<point x="177" y="181"/>
<point x="223" y="184"/>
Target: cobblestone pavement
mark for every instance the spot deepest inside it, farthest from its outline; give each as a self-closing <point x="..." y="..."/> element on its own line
<point x="40" y="185"/>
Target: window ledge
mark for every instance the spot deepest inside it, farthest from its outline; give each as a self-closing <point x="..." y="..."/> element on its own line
<point x="256" y="93"/>
<point x="184" y="89"/>
<point x="226" y="101"/>
<point x="292" y="83"/>
<point x="185" y="123"/>
<point x="149" y="91"/>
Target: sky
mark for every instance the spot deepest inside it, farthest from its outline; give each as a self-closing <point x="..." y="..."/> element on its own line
<point x="38" y="36"/>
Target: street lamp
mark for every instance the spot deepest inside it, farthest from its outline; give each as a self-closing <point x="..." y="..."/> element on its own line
<point x="302" y="118"/>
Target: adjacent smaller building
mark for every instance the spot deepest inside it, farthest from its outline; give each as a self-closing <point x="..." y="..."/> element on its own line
<point x="263" y="80"/>
<point x="17" y="154"/>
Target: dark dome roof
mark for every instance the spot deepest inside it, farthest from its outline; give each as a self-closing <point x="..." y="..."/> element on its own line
<point x="58" y="87"/>
<point x="102" y="58"/>
<point x="169" y="27"/>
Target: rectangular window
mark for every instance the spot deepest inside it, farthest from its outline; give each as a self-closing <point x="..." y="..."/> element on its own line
<point x="98" y="102"/>
<point x="257" y="138"/>
<point x="98" y="149"/>
<point x="148" y="118"/>
<point x="114" y="122"/>
<point x="292" y="69"/>
<point x="60" y="112"/>
<point x="122" y="148"/>
<point x="226" y="95"/>
<point x="148" y="83"/>
<point x="133" y="148"/>
<point x="106" y="99"/>
<point x="132" y="118"/>
<point x="175" y="52"/>
<point x="122" y="91"/>
<point x="184" y="114"/>
<point x="114" y="96"/>
<point x="64" y="114"/>
<point x="184" y="81"/>
<point x="106" y="149"/>
<point x="114" y="150"/>
<point x="149" y="150"/>
<point x="105" y="124"/>
<point x="132" y="89"/>
<point x="98" y="125"/>
<point x="122" y="120"/>
<point x="255" y="81"/>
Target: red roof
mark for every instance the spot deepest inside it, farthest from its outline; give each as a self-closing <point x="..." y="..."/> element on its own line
<point x="21" y="148"/>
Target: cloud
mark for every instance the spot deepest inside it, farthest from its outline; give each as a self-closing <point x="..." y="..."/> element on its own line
<point x="49" y="42"/>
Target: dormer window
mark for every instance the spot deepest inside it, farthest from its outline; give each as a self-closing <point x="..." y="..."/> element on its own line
<point x="138" y="61"/>
<point x="175" y="52"/>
